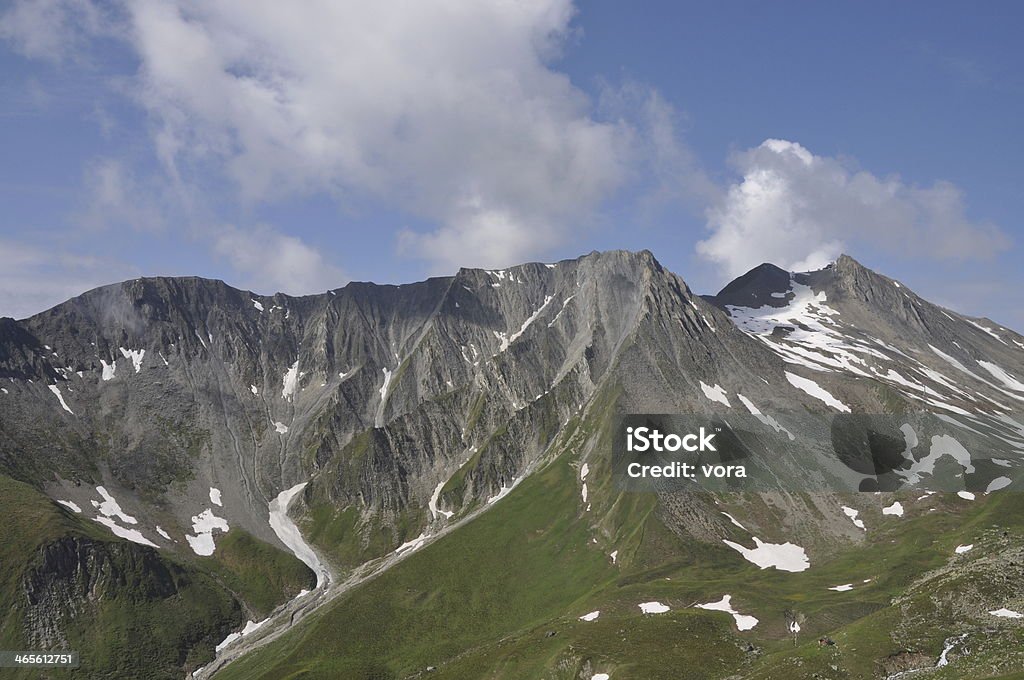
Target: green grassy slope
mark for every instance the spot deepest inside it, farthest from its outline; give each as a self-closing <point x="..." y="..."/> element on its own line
<point x="501" y="596"/>
<point x="150" y="613"/>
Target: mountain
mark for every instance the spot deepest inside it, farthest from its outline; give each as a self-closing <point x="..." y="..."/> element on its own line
<point x="381" y="479"/>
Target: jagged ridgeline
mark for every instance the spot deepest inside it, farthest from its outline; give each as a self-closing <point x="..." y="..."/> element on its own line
<point x="191" y="470"/>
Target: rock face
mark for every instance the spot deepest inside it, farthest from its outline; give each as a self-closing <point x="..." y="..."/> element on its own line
<point x="408" y="407"/>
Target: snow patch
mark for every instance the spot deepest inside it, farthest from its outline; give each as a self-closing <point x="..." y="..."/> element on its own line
<point x="843" y="588"/>
<point x="414" y="544"/>
<point x="505" y="342"/>
<point x="203" y="525"/>
<point x="733" y="520"/>
<point x="163" y="533"/>
<point x="765" y="419"/>
<point x="133" y="535"/>
<point x="615" y="556"/>
<point x="432" y="503"/>
<point x="290" y="381"/>
<point x="852" y="514"/>
<point x="653" y="608"/>
<point x="743" y="621"/>
<point x="961" y="549"/>
<point x="1006" y="613"/>
<point x="504" y="491"/>
<point x="782" y="556"/>
<point x="997" y="483"/>
<point x="60" y="398"/>
<point x="592" y="616"/>
<point x="108" y="370"/>
<point x="215" y="496"/>
<point x="135" y="355"/>
<point x="290" y="534"/>
<point x="72" y="506"/>
<point x="894" y="509"/>
<point x="280" y="427"/>
<point x="1002" y="376"/>
<point x="966" y="495"/>
<point x="715" y="393"/>
<point x="110" y="507"/>
<point x="817" y="391"/>
<point x="257" y="304"/>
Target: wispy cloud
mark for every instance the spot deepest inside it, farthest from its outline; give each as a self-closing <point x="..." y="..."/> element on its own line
<point x="33" y="278"/>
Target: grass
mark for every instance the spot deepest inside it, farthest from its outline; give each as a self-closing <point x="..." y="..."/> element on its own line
<point x="501" y="597"/>
<point x="130" y="611"/>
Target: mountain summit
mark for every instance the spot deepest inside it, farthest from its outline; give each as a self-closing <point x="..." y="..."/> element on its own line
<point x="182" y="441"/>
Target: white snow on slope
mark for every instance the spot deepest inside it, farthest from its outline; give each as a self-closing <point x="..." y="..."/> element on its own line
<point x="505" y="342"/>
<point x="135" y="355"/>
<point x="290" y="534"/>
<point x="203" y="525"/>
<point x="894" y="509"/>
<point x="942" y="445"/>
<point x="60" y="398"/>
<point x="379" y="418"/>
<point x="414" y="544"/>
<point x="600" y="676"/>
<point x="163" y="533"/>
<point x="715" y="393"/>
<point x="843" y="588"/>
<point x="290" y="381"/>
<point x="592" y="616"/>
<point x="1006" y="613"/>
<point x="813" y="339"/>
<point x="782" y="556"/>
<point x="72" y="506"/>
<point x="817" y="391"/>
<point x="215" y="496"/>
<point x="252" y="388"/>
<point x="653" y="608"/>
<point x="984" y="329"/>
<point x="966" y="495"/>
<point x="733" y="520"/>
<point x="257" y="304"/>
<point x="765" y="419"/>
<point x="108" y="370"/>
<point x="852" y="514"/>
<point x="133" y="535"/>
<point x="961" y="549"/>
<point x="110" y="507"/>
<point x="584" y="471"/>
<point x="281" y="428"/>
<point x="743" y="621"/>
<point x="559" y="314"/>
<point x="997" y="484"/>
<point x="1002" y="376"/>
<point x="432" y="503"/>
<point x="614" y="555"/>
<point x="504" y="491"/>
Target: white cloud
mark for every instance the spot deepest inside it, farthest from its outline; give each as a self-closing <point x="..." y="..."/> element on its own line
<point x="272" y="262"/>
<point x="33" y="278"/>
<point x="48" y="29"/>
<point x="447" y="110"/>
<point x="800" y="211"/>
<point x="117" y="198"/>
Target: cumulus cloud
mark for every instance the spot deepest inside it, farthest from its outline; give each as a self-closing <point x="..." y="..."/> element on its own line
<point x="447" y="110"/>
<point x="800" y="211"/>
<point x="270" y="261"/>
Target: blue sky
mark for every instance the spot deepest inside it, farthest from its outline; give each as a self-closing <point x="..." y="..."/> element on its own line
<point x="296" y="146"/>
